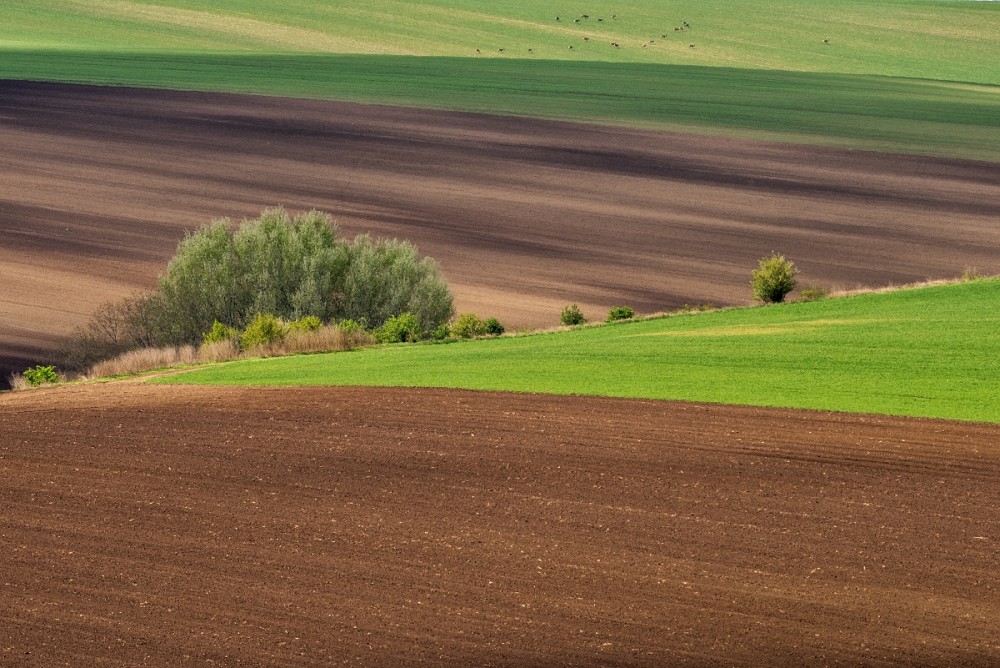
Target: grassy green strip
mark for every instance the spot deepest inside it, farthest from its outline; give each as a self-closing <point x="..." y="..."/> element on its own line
<point x="931" y="352"/>
<point x="878" y="113"/>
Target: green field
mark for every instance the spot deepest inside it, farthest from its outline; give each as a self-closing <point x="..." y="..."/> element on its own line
<point x="932" y="352"/>
<point x="931" y="39"/>
<point x="759" y="70"/>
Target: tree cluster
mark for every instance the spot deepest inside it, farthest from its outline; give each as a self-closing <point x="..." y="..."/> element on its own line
<point x="291" y="268"/>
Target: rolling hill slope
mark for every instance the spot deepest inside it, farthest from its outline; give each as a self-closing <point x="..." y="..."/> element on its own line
<point x="931" y="352"/>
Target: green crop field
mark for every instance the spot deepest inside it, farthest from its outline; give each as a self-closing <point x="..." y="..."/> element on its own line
<point x="932" y="39"/>
<point x="758" y="69"/>
<point x="932" y="352"/>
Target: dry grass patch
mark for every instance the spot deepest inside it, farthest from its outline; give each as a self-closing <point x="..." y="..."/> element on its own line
<point x="325" y="340"/>
<point x="144" y="359"/>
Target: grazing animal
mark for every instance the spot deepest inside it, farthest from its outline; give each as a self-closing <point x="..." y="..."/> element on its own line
<point x="690" y="46"/>
<point x="616" y="45"/>
<point x="600" y="20"/>
<point x="614" y="17"/>
<point x="571" y="46"/>
<point x="500" y="50"/>
<point x="686" y="24"/>
<point x="663" y="36"/>
<point x="586" y="16"/>
<point x="530" y="51"/>
<point x="557" y="18"/>
<point x="576" y="20"/>
<point x="586" y="39"/>
<point x="826" y="41"/>
<point x="478" y="51"/>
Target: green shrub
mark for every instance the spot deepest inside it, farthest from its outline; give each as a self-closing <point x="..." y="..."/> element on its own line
<point x="349" y="326"/>
<point x="310" y="323"/>
<point x="773" y="278"/>
<point x="398" y="329"/>
<point x="441" y="332"/>
<point x="263" y="330"/>
<point x="493" y="327"/>
<point x="813" y="293"/>
<point x="620" y="313"/>
<point x="467" y="326"/>
<point x="41" y="375"/>
<point x="219" y="332"/>
<point x="572" y="315"/>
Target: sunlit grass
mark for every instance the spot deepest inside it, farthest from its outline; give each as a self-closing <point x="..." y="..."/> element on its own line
<point x="932" y="352"/>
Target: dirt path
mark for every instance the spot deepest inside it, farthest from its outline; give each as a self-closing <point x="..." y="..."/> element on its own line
<point x="164" y="526"/>
<point x="525" y="216"/>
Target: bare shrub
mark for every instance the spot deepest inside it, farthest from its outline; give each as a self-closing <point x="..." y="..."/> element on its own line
<point x="695" y="308"/>
<point x="971" y="274"/>
<point x="18" y="382"/>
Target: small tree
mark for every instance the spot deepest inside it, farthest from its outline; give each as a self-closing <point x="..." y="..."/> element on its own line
<point x="773" y="278"/>
<point x="572" y="315"/>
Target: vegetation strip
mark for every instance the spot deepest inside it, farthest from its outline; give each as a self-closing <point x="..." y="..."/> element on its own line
<point x="930" y="352"/>
<point x="855" y="111"/>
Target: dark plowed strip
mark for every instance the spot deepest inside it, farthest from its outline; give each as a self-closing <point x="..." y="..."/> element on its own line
<point x="524" y="215"/>
<point x="380" y="526"/>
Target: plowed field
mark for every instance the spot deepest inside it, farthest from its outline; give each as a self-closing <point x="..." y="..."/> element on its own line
<point x="525" y="216"/>
<point x="165" y="526"/>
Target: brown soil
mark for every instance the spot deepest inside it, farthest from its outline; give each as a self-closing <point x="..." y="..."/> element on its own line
<point x="305" y="526"/>
<point x="524" y="216"/>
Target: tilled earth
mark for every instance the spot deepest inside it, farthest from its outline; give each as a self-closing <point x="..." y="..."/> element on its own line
<point x="307" y="526"/>
<point x="525" y="216"/>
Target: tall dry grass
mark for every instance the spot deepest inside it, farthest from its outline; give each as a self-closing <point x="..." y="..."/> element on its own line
<point x="324" y="340"/>
<point x="144" y="359"/>
<point x="18" y="382"/>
